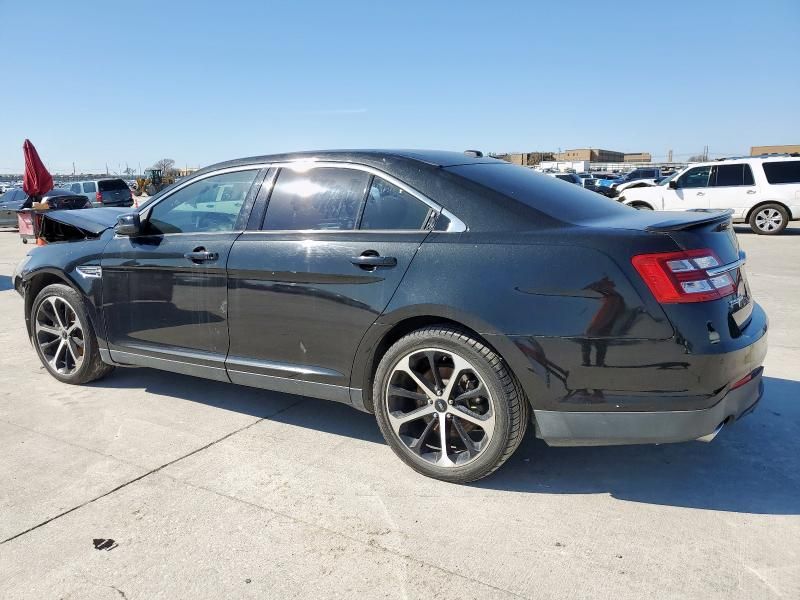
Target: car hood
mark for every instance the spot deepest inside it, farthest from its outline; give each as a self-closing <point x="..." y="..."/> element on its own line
<point x="91" y="220"/>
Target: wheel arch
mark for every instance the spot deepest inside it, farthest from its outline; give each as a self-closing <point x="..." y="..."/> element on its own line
<point x="39" y="280"/>
<point x="635" y="203"/>
<point x="765" y="202"/>
<point x="384" y="333"/>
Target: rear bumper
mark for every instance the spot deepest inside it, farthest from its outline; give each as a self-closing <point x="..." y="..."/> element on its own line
<point x="559" y="428"/>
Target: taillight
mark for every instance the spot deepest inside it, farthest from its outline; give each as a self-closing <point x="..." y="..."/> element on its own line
<point x="676" y="277"/>
<point x="98" y="196"/>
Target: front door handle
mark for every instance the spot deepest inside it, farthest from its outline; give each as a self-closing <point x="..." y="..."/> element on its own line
<point x="370" y="261"/>
<point x="200" y="255"/>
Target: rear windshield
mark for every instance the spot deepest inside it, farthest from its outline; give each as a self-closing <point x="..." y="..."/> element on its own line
<point x="546" y="194"/>
<point x="109" y="185"/>
<point x="785" y="171"/>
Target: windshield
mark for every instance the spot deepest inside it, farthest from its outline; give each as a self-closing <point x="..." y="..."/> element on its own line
<point x="670" y="178"/>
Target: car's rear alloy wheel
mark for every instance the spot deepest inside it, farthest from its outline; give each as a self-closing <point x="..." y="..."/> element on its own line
<point x="769" y="219"/>
<point x="63" y="336"/>
<point x="448" y="406"/>
<point x="439" y="407"/>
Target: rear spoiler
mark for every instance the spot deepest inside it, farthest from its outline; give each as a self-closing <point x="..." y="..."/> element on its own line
<point x="701" y="216"/>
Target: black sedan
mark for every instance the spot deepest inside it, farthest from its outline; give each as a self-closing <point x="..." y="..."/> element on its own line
<point x="457" y="298"/>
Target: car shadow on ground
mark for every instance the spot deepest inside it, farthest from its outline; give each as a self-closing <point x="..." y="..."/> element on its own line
<point x="745" y="230"/>
<point x="5" y="283"/>
<point x="753" y="466"/>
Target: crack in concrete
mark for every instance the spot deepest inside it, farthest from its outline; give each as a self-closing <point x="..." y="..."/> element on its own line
<point x="148" y="473"/>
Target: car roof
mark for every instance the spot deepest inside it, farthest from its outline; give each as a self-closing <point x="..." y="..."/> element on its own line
<point x="434" y="158"/>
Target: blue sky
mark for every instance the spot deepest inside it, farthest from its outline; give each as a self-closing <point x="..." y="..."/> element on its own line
<point x="206" y="81"/>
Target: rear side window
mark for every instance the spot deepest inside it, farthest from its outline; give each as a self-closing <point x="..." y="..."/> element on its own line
<point x="731" y="175"/>
<point x="322" y="198"/>
<point x="89" y="187"/>
<point x="544" y="193"/>
<point x="390" y="207"/>
<point x="109" y="185"/>
<point x="785" y="171"/>
<point x="75" y="187"/>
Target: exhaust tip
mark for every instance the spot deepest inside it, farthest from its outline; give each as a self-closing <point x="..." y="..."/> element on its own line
<point x="710" y="436"/>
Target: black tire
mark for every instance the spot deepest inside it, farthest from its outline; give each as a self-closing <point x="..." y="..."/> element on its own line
<point x="510" y="406"/>
<point x="641" y="206"/>
<point x="91" y="367"/>
<point x="763" y="219"/>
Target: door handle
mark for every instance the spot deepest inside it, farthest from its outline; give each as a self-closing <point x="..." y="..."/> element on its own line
<point x="201" y="255"/>
<point x="701" y="193"/>
<point x="751" y="191"/>
<point x="371" y="261"/>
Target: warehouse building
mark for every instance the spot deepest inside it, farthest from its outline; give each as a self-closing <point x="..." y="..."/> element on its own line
<point x="600" y="155"/>
<point x="787" y="149"/>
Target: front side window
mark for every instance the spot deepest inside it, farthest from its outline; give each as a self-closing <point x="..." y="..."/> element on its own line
<point x="785" y="171"/>
<point x="210" y="204"/>
<point x="90" y="187"/>
<point x="390" y="207"/>
<point x="695" y="178"/>
<point x="325" y="198"/>
<point x="75" y="187"/>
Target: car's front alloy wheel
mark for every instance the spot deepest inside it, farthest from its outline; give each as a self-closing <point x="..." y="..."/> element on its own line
<point x="63" y="337"/>
<point x="447" y="405"/>
<point x="60" y="335"/>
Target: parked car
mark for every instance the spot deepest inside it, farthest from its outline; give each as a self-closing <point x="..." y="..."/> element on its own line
<point x="10" y="203"/>
<point x="57" y="199"/>
<point x="568" y="177"/>
<point x="104" y="192"/>
<point x="762" y="191"/>
<point x="457" y="298"/>
<point x="636" y="178"/>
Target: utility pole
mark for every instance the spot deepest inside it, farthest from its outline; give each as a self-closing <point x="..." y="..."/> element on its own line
<point x="73" y="168"/>
<point x="669" y="156"/>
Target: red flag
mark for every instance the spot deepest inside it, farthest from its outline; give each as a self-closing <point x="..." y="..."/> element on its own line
<point x="36" y="181"/>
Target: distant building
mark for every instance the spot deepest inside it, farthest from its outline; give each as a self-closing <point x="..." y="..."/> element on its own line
<point x="600" y="155"/>
<point x="756" y="150"/>
<point x="638" y="157"/>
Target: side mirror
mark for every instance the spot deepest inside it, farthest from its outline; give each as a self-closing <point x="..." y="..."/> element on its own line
<point x="128" y="225"/>
<point x="673" y="184"/>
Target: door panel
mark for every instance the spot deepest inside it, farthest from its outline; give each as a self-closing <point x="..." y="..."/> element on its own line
<point x="165" y="293"/>
<point x="299" y="306"/>
<point x="157" y="302"/>
<point x="692" y="191"/>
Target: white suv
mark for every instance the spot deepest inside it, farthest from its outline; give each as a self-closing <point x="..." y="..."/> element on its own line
<point x="763" y="191"/>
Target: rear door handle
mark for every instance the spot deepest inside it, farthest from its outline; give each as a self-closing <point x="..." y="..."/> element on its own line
<point x="373" y="260"/>
<point x="199" y="255"/>
<point x="751" y="191"/>
<point x="701" y="193"/>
